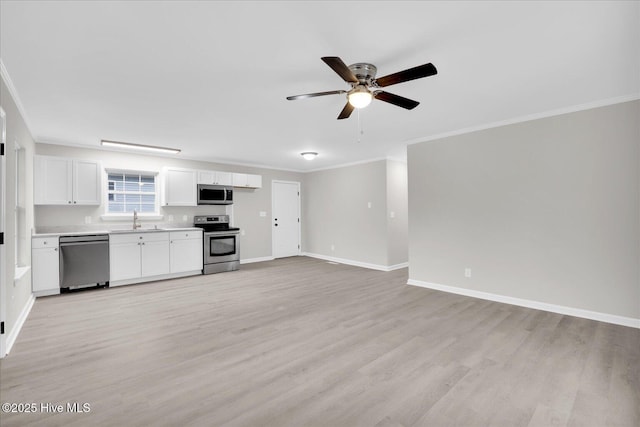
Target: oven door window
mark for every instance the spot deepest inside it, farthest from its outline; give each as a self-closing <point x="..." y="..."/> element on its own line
<point x="222" y="246"/>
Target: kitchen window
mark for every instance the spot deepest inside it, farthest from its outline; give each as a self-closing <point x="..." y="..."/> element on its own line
<point x="131" y="190"/>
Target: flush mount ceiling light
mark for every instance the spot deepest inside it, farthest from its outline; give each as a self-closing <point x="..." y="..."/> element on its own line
<point x="132" y="146"/>
<point x="359" y="96"/>
<point x="309" y="155"/>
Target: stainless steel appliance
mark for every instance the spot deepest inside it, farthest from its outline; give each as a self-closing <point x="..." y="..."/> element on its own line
<point x="214" y="195"/>
<point x="221" y="243"/>
<point x="84" y="261"/>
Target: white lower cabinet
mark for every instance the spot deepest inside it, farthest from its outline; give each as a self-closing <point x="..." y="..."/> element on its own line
<point x="138" y="255"/>
<point x="186" y="251"/>
<point x="45" y="266"/>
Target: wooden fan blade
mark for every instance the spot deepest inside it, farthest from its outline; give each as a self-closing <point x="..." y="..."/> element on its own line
<point x="313" y="95"/>
<point x="340" y="68"/>
<point x="346" y="111"/>
<point x="398" y="100"/>
<point x="418" y="72"/>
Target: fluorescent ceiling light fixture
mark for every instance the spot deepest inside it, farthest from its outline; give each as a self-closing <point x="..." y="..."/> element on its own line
<point x="359" y="96"/>
<point x="309" y="155"/>
<point x="132" y="146"/>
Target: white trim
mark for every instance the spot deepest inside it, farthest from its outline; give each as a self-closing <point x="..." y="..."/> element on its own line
<point x="14" y="94"/>
<point x="64" y="143"/>
<point x="20" y="272"/>
<point x="345" y="165"/>
<point x="3" y="261"/>
<point x="370" y="266"/>
<point x="146" y="279"/>
<point x="560" y="309"/>
<point x="529" y="117"/>
<point x="13" y="334"/>
<point x="260" y="259"/>
<point x="279" y="181"/>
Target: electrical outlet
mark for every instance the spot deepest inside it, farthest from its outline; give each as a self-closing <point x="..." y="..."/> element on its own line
<point x="333" y="248"/>
<point x="185" y="218"/>
<point x="369" y="205"/>
<point x="87" y="220"/>
<point x="170" y="218"/>
<point x="392" y="214"/>
<point x="242" y="233"/>
<point x="263" y="213"/>
<point x="467" y="272"/>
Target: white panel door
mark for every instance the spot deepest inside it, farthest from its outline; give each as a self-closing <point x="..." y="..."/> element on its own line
<point x="155" y="257"/>
<point x="180" y="187"/>
<point x="86" y="182"/>
<point x="124" y="261"/>
<point x="53" y="178"/>
<point x="286" y="218"/>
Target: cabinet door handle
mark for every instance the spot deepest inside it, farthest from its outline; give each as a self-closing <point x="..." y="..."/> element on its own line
<point x="55" y="249"/>
<point x="74" y="202"/>
<point x="69" y="202"/>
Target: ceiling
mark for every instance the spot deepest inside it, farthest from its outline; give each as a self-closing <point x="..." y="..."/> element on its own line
<point x="211" y="78"/>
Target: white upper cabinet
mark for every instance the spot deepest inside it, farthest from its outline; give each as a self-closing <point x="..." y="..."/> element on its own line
<point x="247" y="180"/>
<point x="214" y="178"/>
<point x="63" y="181"/>
<point x="180" y="187"/>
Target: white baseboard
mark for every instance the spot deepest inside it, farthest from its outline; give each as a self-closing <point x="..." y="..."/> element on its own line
<point x="13" y="333"/>
<point x="560" y="309"/>
<point x="260" y="259"/>
<point x="357" y="263"/>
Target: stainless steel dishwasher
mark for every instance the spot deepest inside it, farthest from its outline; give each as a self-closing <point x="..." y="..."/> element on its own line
<point x="84" y="261"/>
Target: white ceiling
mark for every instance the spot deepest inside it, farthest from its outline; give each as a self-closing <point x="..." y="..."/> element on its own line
<point x="211" y="78"/>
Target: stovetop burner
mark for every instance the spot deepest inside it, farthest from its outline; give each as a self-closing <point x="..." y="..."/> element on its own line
<point x="211" y="223"/>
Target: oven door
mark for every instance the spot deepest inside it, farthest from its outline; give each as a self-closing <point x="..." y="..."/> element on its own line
<point x="221" y="247"/>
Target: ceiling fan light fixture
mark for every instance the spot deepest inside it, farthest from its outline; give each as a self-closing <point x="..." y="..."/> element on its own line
<point x="359" y="96"/>
<point x="309" y="155"/>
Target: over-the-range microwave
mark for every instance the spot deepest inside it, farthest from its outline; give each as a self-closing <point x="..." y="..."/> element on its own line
<point x="214" y="195"/>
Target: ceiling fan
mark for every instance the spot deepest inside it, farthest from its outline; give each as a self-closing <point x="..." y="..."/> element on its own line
<point x="364" y="85"/>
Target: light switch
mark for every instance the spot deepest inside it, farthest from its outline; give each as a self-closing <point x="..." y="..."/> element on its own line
<point x="392" y="214"/>
<point x="263" y="213"/>
<point x="369" y="205"/>
<point x="170" y="218"/>
<point x="87" y="220"/>
<point x="185" y="218"/>
<point x="242" y="233"/>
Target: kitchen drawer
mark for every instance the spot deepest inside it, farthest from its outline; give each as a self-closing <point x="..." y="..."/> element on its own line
<point x="44" y="242"/>
<point x="187" y="234"/>
<point x="138" y="237"/>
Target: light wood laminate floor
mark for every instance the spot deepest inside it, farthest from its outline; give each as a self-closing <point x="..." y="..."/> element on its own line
<point x="299" y="341"/>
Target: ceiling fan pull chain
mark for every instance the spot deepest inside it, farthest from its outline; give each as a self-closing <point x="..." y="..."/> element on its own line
<point x="359" y="127"/>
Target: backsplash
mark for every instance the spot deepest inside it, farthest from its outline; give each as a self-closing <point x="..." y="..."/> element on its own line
<point x="64" y="219"/>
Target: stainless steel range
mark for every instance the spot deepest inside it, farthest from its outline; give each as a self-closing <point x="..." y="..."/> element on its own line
<point x="221" y="243"/>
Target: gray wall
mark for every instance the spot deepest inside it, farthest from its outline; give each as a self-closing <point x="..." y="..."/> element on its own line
<point x="255" y="243"/>
<point x="18" y="293"/>
<point x="336" y="212"/>
<point x="547" y="210"/>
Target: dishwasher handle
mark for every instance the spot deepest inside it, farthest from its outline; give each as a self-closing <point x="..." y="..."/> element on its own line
<point x="98" y="242"/>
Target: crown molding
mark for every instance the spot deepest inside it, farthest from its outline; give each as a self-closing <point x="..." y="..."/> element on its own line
<point x="14" y="94"/>
<point x="529" y="117"/>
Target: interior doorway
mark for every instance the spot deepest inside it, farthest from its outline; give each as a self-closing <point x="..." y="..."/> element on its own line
<point x="285" y="208"/>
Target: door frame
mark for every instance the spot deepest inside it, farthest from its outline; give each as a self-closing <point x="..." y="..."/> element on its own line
<point x="274" y="182"/>
<point x="3" y="229"/>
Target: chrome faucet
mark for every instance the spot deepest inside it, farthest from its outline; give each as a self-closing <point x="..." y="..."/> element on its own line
<point x="135" y="220"/>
